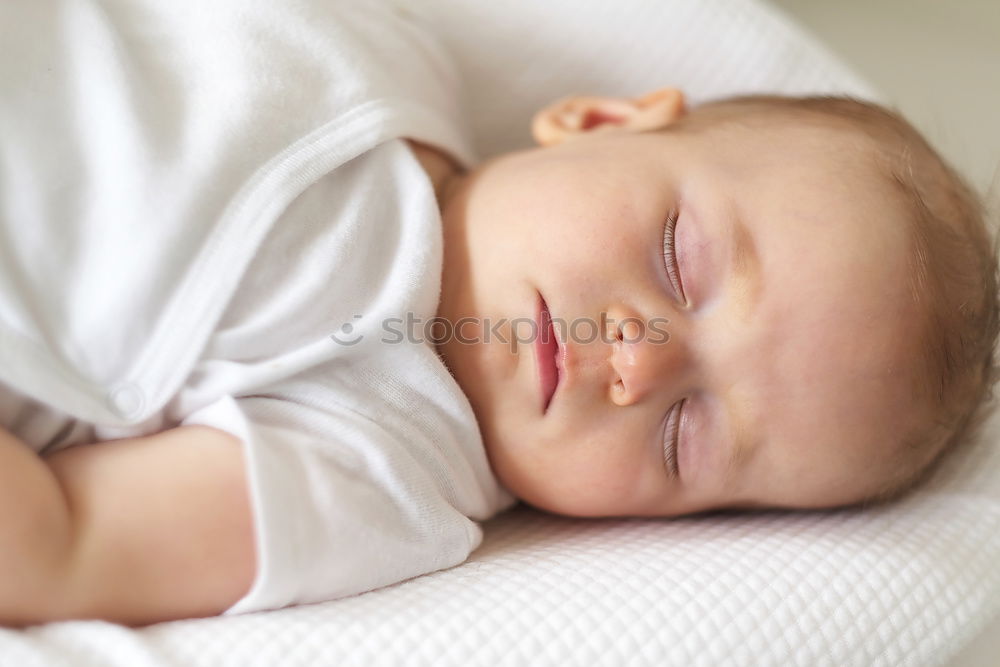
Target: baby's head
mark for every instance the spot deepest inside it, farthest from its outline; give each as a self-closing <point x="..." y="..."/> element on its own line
<point x="764" y="301"/>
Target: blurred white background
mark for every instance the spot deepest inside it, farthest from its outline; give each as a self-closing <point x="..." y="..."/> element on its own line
<point x="937" y="62"/>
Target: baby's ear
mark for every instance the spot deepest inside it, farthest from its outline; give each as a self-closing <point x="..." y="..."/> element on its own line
<point x="575" y="117"/>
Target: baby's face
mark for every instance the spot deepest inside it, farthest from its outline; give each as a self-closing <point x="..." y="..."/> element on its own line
<point x="771" y="370"/>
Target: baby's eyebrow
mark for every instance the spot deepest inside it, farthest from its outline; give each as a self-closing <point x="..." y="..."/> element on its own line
<point x="741" y="452"/>
<point x="744" y="265"/>
<point x="744" y="444"/>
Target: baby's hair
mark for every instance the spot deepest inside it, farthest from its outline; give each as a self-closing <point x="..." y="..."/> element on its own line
<point x="953" y="264"/>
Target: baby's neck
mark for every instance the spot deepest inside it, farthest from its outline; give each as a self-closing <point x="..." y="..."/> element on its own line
<point x="441" y="169"/>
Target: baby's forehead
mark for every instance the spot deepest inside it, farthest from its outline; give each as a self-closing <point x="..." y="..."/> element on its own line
<point x="827" y="346"/>
<point x="834" y="380"/>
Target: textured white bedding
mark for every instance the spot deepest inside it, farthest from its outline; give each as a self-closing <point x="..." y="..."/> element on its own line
<point x="906" y="584"/>
<point x="518" y="55"/>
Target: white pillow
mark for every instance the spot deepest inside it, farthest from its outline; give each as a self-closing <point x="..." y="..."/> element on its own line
<point x="518" y="55"/>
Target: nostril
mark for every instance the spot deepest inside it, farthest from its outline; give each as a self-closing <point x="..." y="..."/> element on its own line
<point x="612" y="331"/>
<point x="631" y="331"/>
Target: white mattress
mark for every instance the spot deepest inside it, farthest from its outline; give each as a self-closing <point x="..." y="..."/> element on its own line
<point x="915" y="583"/>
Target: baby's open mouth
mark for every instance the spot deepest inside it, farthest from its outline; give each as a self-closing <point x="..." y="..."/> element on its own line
<point x="546" y="353"/>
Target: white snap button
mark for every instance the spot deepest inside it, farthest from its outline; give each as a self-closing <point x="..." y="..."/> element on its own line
<point x="126" y="400"/>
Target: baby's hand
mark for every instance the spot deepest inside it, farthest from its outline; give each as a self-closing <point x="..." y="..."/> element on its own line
<point x="134" y="531"/>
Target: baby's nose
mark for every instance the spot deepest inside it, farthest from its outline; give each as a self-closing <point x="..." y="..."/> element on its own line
<point x="643" y="360"/>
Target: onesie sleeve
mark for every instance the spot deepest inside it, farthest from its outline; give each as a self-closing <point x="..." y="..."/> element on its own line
<point x="339" y="508"/>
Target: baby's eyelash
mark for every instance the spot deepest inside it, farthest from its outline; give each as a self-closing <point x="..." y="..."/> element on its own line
<point x="671" y="433"/>
<point x="670" y="255"/>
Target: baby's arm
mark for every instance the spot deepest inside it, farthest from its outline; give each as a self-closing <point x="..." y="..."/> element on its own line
<point x="135" y="531"/>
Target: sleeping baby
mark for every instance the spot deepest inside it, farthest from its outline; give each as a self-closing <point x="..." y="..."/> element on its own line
<point x="271" y="335"/>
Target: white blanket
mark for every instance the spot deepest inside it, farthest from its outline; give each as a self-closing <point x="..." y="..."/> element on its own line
<point x="906" y="584"/>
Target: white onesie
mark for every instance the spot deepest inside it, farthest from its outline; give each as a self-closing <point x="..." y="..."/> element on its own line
<point x="208" y="216"/>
